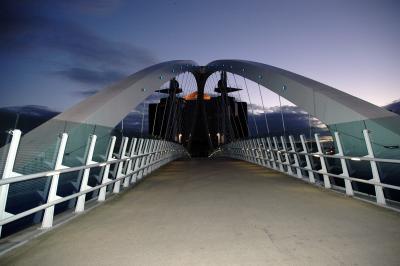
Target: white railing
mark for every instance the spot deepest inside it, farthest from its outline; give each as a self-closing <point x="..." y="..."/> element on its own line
<point x="131" y="165"/>
<point x="267" y="153"/>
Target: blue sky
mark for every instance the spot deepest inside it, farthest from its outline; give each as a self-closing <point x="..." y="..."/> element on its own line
<point x="55" y="53"/>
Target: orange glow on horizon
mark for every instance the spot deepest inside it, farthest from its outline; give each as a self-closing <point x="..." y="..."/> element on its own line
<point x="193" y="96"/>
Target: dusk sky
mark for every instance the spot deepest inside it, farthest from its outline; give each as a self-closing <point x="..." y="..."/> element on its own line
<point x="56" y="53"/>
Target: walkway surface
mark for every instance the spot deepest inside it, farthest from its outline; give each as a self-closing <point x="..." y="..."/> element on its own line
<point x="221" y="212"/>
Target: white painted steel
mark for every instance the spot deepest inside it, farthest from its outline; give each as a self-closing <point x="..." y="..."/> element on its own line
<point x="324" y="170"/>
<point x="152" y="155"/>
<point x="380" y="197"/>
<point x="307" y="158"/>
<point x="345" y="173"/>
<point x="295" y="157"/>
<point x="8" y="173"/>
<point x="80" y="204"/>
<point x="106" y="169"/>
<point x="240" y="150"/>
<point x="47" y="221"/>
<point x="120" y="165"/>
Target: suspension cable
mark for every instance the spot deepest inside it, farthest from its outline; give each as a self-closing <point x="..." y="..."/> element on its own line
<point x="167" y="129"/>
<point x="163" y="118"/>
<point x="252" y="107"/>
<point x="175" y="107"/>
<point x="244" y="113"/>
<point x="262" y="102"/>
<point x="141" y="130"/>
<point x="122" y="127"/>
<point x="215" y="80"/>
<point x="240" y="122"/>
<point x="283" y="120"/>
<point x="233" y="117"/>
<point x="309" y="125"/>
<point x="155" y="119"/>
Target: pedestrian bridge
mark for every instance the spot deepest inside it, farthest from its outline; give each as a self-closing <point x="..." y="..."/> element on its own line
<point x="221" y="212"/>
<point x="274" y="197"/>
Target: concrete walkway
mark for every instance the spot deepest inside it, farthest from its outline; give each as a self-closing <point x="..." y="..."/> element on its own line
<point x="221" y="212"/>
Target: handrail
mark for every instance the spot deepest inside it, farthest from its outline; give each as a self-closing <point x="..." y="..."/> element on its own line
<point x="69" y="197"/>
<point x="71" y="169"/>
<point x="131" y="165"/>
<point x="261" y="151"/>
<point x="315" y="154"/>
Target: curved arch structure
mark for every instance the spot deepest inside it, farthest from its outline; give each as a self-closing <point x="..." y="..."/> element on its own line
<point x="109" y="106"/>
<point x="99" y="113"/>
<point x="328" y="104"/>
<point x="340" y="111"/>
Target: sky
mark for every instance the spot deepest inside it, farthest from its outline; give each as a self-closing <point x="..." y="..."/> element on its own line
<point x="56" y="53"/>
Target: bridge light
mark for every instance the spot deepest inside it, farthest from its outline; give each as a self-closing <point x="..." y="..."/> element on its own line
<point x="143" y="89"/>
<point x="260" y="77"/>
<point x="284" y="88"/>
<point x="355" y="159"/>
<point x="161" y="77"/>
<point x="242" y="69"/>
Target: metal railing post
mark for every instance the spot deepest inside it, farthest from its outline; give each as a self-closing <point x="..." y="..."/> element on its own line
<point x="260" y="154"/>
<point x="265" y="152"/>
<point x="307" y="157"/>
<point x="120" y="165"/>
<point x="271" y="152"/>
<point x="278" y="154"/>
<point x="142" y="159"/>
<point x="105" y="178"/>
<point x="80" y="204"/>
<point x="48" y="216"/>
<point x="324" y="170"/>
<point x="129" y="166"/>
<point x="295" y="157"/>
<point x="158" y="154"/>
<point x="244" y="150"/>
<point x="253" y="151"/>
<point x="8" y="173"/>
<point x="137" y="161"/>
<point x="380" y="196"/>
<point x="150" y="150"/>
<point x="345" y="171"/>
<point x="287" y="159"/>
<point x="149" y="157"/>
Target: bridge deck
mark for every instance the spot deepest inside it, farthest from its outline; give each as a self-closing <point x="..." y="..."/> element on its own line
<point x="221" y="212"/>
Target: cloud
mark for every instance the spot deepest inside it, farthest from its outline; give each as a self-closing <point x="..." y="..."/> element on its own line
<point x="295" y="119"/>
<point x="98" y="7"/>
<point x="89" y="76"/>
<point x="31" y="110"/>
<point x="86" y="93"/>
<point x="26" y="28"/>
